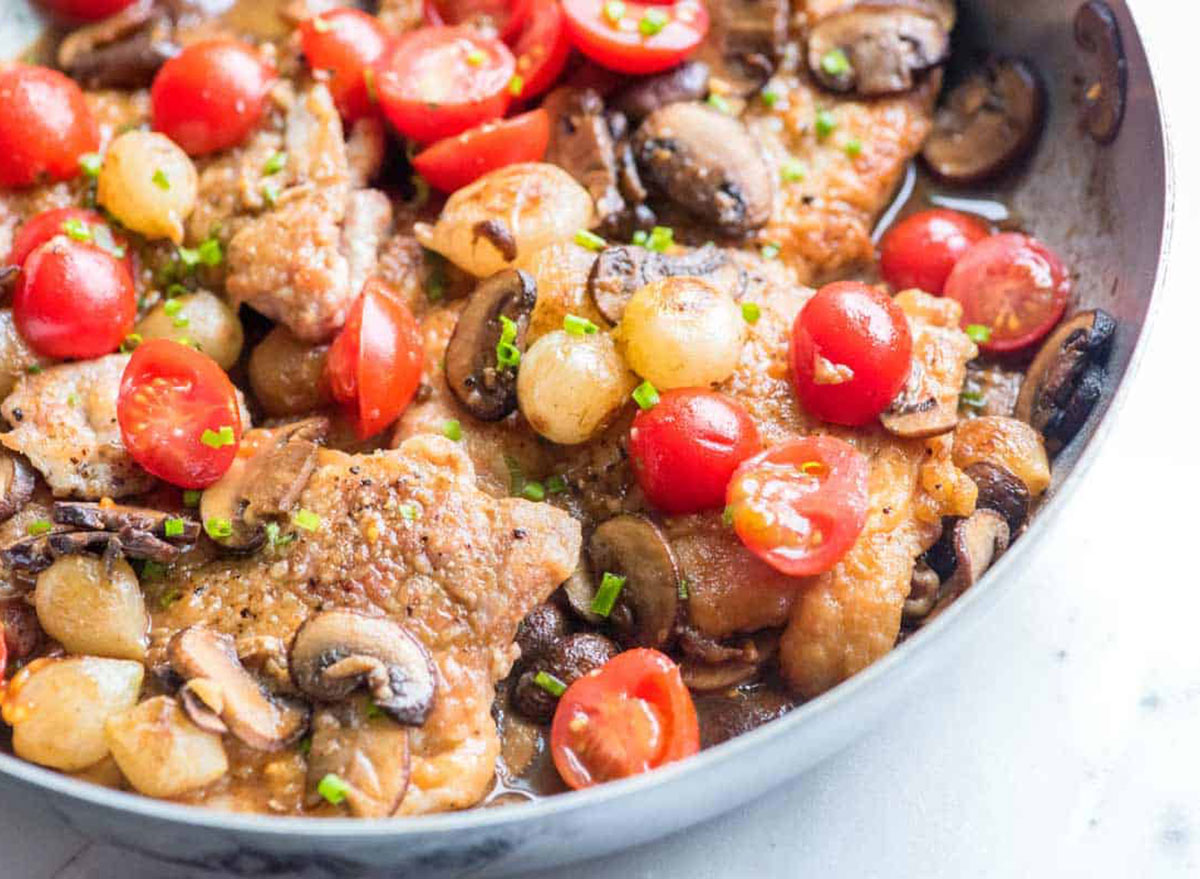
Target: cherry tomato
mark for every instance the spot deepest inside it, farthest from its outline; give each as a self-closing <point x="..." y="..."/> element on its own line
<point x="541" y="50"/>
<point x="345" y="42"/>
<point x="452" y="163"/>
<point x="436" y="82"/>
<point x="45" y="126"/>
<point x="85" y="10"/>
<point x="685" y="449"/>
<point x="500" y="18"/>
<point x="633" y="715"/>
<point x="64" y="221"/>
<point x="1012" y="284"/>
<point x="374" y="364"/>
<point x="800" y="506"/>
<point x="211" y="95"/>
<point x="921" y="249"/>
<point x="636" y="37"/>
<point x="74" y="300"/>
<point x="851" y="353"/>
<point x="178" y="414"/>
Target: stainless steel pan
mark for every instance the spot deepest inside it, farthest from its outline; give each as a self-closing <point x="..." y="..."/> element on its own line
<point x="1105" y="206"/>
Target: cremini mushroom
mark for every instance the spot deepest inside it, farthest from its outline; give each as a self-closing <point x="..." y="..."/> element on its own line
<point x="1001" y="491"/>
<point x="725" y="717"/>
<point x="986" y="123"/>
<point x="743" y="665"/>
<point x="745" y="43"/>
<point x="369" y="754"/>
<point x="541" y="629"/>
<point x="919" y="410"/>
<point x="490" y="328"/>
<point x="978" y="541"/>
<point x="337" y="651"/>
<point x="647" y="609"/>
<point x="121" y="518"/>
<point x="16" y="484"/>
<point x="1067" y="378"/>
<point x="621" y="271"/>
<point x="264" y="721"/>
<point x="566" y="661"/>
<point x="581" y="143"/>
<point x="31" y="555"/>
<point x="121" y="51"/>
<point x="687" y="82"/>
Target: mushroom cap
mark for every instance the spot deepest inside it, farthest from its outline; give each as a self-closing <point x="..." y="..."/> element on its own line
<point x="644" y="95"/>
<point x="16" y="484"/>
<point x="648" y="607"/>
<point x="337" y="651"/>
<point x="732" y="671"/>
<point x="1001" y="491"/>
<point x="621" y="271"/>
<point x="919" y="412"/>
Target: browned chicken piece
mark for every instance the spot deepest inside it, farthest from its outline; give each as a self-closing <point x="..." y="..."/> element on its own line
<point x="404" y="533"/>
<point x="303" y="261"/>
<point x="64" y="420"/>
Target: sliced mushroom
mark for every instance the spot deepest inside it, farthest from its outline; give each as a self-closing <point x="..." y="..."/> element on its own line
<point x="726" y="717"/>
<point x="621" y="271"/>
<point x="965" y="552"/>
<point x="473" y="371"/>
<point x="1001" y="491"/>
<point x="987" y="123"/>
<point x="264" y="721"/>
<point x="121" y="518"/>
<point x="687" y="82"/>
<point x="746" y="41"/>
<point x="16" y="484"/>
<point x="923" y="591"/>
<point x="31" y="555"/>
<point x="121" y="51"/>
<point x="582" y="145"/>
<point x="632" y="547"/>
<point x="746" y="663"/>
<point x="371" y="755"/>
<point x="876" y="48"/>
<point x="706" y="162"/>
<point x="580" y="591"/>
<point x="568" y="660"/>
<point x="202" y="701"/>
<point x="919" y="411"/>
<point x="1067" y="378"/>
<point x="19" y="629"/>
<point x="337" y="651"/>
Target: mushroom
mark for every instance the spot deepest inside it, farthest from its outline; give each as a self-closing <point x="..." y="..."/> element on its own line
<point x="581" y="144"/>
<point x="632" y="547"/>
<point x="745" y="44"/>
<point x="706" y="162"/>
<point x="264" y="721"/>
<point x="580" y="592"/>
<point x="923" y="591"/>
<point x="19" y="629"/>
<point x="370" y="754"/>
<point x="726" y="717"/>
<point x="1098" y="33"/>
<point x="687" y="82"/>
<point x="621" y="271"/>
<point x="1067" y="378"/>
<point x="567" y="660"/>
<point x="987" y="123"/>
<point x="121" y="519"/>
<point x="876" y="48"/>
<point x="202" y="700"/>
<point x="542" y="628"/>
<point x="1001" y="491"/>
<point x="919" y="410"/>
<point x="481" y="383"/>
<point x="121" y="51"/>
<point x="31" y="555"/>
<point x="8" y="279"/>
<point x="742" y="666"/>
<point x="336" y="651"/>
<point x="16" y="484"/>
<point x="967" y="549"/>
<point x="264" y="486"/>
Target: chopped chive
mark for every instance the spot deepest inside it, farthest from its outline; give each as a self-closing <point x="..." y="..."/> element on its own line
<point x="614" y="11"/>
<point x="683" y="589"/>
<point x="306" y="519"/>
<point x="652" y="22"/>
<point x="718" y="103"/>
<point x="77" y="229"/>
<point x="556" y="485"/>
<point x="38" y="526"/>
<point x="824" y="124"/>
<point x="153" y="570"/>
<point x="91" y="163"/>
<point x="579" y="326"/>
<point x="727" y="516"/>
<point x="373" y="710"/>
<point x="218" y="439"/>
<point x="590" y="240"/>
<point x="508" y="355"/>
<point x="167" y="598"/>
<point x="33" y="368"/>
<point x="320" y="25"/>
<point x="435" y="285"/>
<point x="276" y="539"/>
<point x="792" y="171"/>
<point x="661" y="239"/>
<point x="131" y="342"/>
<point x="333" y="788"/>
<point x="173" y="528"/>
<point x="210" y="252"/>
<point x="608" y="593"/>
<point x="172" y="307"/>
<point x="72" y="400"/>
<point x="533" y="491"/>
<point x="812" y="468"/>
<point x="176" y="290"/>
<point x="974" y="399"/>
<point x="853" y="148"/>
<point x="369" y="82"/>
<point x="476" y="57"/>
<point x="218" y="528"/>
<point x="770" y="250"/>
<point x="979" y="333"/>
<point x="835" y="62"/>
<point x="769" y="97"/>
<point x="751" y="312"/>
<point x="304" y="746"/>
<point x="191" y="498"/>
<point x="452" y="429"/>
<point x="270" y="194"/>
<point x="550" y="683"/>
<point x="275" y="164"/>
<point x="408" y="512"/>
<point x="160" y="179"/>
<point x="516" y="85"/>
<point x="645" y="395"/>
<point x="103" y="238"/>
<point x="516" y="478"/>
<point x="640" y="237"/>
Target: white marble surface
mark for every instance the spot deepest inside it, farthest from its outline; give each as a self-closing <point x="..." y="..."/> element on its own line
<point x="1064" y="742"/>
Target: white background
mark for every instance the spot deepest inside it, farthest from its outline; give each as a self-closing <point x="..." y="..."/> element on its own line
<point x="1065" y="741"/>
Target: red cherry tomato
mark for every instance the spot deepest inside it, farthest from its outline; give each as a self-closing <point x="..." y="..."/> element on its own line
<point x="374" y="364"/>
<point x="176" y="409"/>
<point x="45" y="126"/>
<point x="633" y="715"/>
<point x="63" y="221"/>
<point x="211" y="95"/>
<point x="851" y="353"/>
<point x="685" y="449"/>
<point x="636" y="37"/>
<point x="921" y="249"/>
<point x="800" y="506"/>
<point x="85" y="10"/>
<point x="74" y="300"/>
<point x="436" y="82"/>
<point x="452" y="163"/>
<point x="345" y="42"/>
<point x="1012" y="284"/>
<point x="500" y="18"/>
<point x="542" y="49"/>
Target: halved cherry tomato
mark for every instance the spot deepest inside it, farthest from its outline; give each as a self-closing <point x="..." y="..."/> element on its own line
<point x="800" y="506"/>
<point x="75" y="222"/>
<point x="633" y="715"/>
<point x="436" y="82"/>
<point x="346" y="42"/>
<point x="636" y="37"/>
<point x="851" y="353"/>
<point x="921" y="249"/>
<point x="211" y="95"/>
<point x="685" y="448"/>
<point x="74" y="300"/>
<point x="1012" y="284"/>
<point x="85" y="10"/>
<point x="45" y="126"/>
<point x="178" y="414"/>
<point x="499" y="18"/>
<point x="374" y="364"/>
<point x="541" y="50"/>
<point x="452" y="163"/>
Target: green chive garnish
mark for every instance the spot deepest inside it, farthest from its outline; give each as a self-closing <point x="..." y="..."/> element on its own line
<point x="33" y="368"/>
<point x="333" y="789"/>
<point x="614" y="11"/>
<point x="640" y="237"/>
<point x="153" y="570"/>
<point x="579" y="326"/>
<point x="590" y="240"/>
<point x="556" y="485"/>
<point x="683" y="589"/>
<point x="853" y="148"/>
<point x="452" y="429"/>
<point x="218" y="528"/>
<point x="72" y="400"/>
<point x="160" y="179"/>
<point x="408" y="512"/>
<point x="770" y="98"/>
<point x="306" y="519"/>
<point x="727" y="516"/>
<point x="646" y="395"/>
<point x="550" y="683"/>
<point x="270" y="194"/>
<point x="516" y="85"/>
<point x="770" y="250"/>
<point x="191" y="498"/>
<point x="508" y="355"/>
<point x="275" y="164"/>
<point x="979" y="333"/>
<point x="661" y="239"/>
<point x="718" y="103"/>
<point x="167" y="598"/>
<point x="792" y="171"/>
<point x="652" y="22"/>
<point x="39" y="526"/>
<point x="824" y="124"/>
<point x="173" y="528"/>
<point x="276" y="539"/>
<point x="217" y="439"/>
<point x="172" y="307"/>
<point x="533" y="491"/>
<point x="974" y="399"/>
<point x="373" y="710"/>
<point x="751" y="312"/>
<point x="608" y="593"/>
<point x="91" y="163"/>
<point x="835" y="62"/>
<point x="77" y="229"/>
